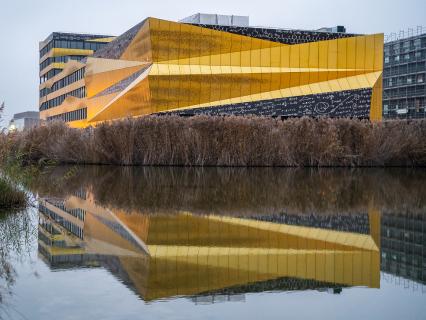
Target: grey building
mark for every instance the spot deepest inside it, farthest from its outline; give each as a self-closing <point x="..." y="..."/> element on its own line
<point x="24" y="121"/>
<point x="403" y="245"/>
<point x="217" y="19"/>
<point x="404" y="77"/>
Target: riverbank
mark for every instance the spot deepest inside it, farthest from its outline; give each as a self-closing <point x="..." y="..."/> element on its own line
<point x="226" y="141"/>
<point x="10" y="196"/>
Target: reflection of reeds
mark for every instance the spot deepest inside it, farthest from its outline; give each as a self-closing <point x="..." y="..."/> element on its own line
<point x="229" y="141"/>
<point x="10" y="196"/>
<point x="243" y="190"/>
<point x="17" y="232"/>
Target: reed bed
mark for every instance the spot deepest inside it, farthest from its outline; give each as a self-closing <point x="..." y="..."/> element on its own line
<point x="10" y="196"/>
<point x="225" y="141"/>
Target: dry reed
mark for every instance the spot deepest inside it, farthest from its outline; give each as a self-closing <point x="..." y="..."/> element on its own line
<point x="225" y="141"/>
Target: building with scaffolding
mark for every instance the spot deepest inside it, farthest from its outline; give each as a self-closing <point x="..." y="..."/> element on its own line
<point x="404" y="75"/>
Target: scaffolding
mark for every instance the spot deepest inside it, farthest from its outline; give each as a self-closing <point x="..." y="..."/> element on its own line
<point x="404" y="93"/>
<point x="404" y="34"/>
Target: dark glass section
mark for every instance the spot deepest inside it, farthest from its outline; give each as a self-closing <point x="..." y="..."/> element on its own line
<point x="75" y="115"/>
<point x="63" y="59"/>
<point x="78" y="93"/>
<point x="115" y="48"/>
<point x="356" y="222"/>
<point x="280" y="35"/>
<point x="72" y="41"/>
<point x="280" y="284"/>
<point x="403" y="242"/>
<point x="350" y="103"/>
<point x="121" y="85"/>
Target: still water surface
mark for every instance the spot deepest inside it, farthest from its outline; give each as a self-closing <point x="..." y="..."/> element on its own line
<point x="192" y="243"/>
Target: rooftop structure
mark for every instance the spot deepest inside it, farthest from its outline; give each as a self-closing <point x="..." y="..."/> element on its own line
<point x="217" y="19"/>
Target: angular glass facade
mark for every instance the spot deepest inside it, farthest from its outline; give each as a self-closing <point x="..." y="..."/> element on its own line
<point x="168" y="67"/>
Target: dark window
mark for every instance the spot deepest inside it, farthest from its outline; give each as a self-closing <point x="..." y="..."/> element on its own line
<point x="75" y="115"/>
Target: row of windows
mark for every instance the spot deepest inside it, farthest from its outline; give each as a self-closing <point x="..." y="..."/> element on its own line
<point x="405" y="46"/>
<point x="409" y="104"/>
<point x="63" y="59"/>
<point x="71" y="44"/>
<point x="78" y="93"/>
<point x="75" y="115"/>
<point x="404" y="69"/>
<point x="50" y="74"/>
<point x="77" y="212"/>
<point x="403" y="80"/>
<point x="73" y="77"/>
<point x="81" y="194"/>
<point x="408" y="114"/>
<point x="44" y="92"/>
<point x="408" y="57"/>
<point x="404" y="92"/>
<point x="71" y="227"/>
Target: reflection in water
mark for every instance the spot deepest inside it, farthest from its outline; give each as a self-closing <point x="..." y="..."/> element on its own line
<point x="403" y="244"/>
<point x="161" y="256"/>
<point x="17" y="232"/>
<point x="214" y="235"/>
<point x="196" y="236"/>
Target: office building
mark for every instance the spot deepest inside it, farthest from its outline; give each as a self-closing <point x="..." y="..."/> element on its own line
<point x="61" y="62"/>
<point x="24" y="121"/>
<point x="215" y="68"/>
<point x="403" y="241"/>
<point x="404" y="78"/>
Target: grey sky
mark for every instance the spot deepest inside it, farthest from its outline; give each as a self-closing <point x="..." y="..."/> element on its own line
<point x="25" y="22"/>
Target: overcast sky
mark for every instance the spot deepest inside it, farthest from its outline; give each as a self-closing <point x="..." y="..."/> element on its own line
<point x="25" y="22"/>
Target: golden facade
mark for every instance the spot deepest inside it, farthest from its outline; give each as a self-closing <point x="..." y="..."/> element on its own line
<point x="186" y="254"/>
<point x="162" y="66"/>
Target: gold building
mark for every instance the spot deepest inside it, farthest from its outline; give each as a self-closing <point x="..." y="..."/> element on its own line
<point x="159" y="255"/>
<point x="161" y="66"/>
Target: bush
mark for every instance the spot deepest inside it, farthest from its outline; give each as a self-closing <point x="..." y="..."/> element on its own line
<point x="226" y="141"/>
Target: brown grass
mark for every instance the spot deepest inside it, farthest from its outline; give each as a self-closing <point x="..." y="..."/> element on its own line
<point x="226" y="141"/>
<point x="240" y="191"/>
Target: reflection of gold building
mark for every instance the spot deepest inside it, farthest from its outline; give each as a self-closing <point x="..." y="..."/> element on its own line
<point x="186" y="254"/>
<point x="163" y="66"/>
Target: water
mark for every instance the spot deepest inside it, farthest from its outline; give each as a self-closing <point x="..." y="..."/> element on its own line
<point x="216" y="243"/>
